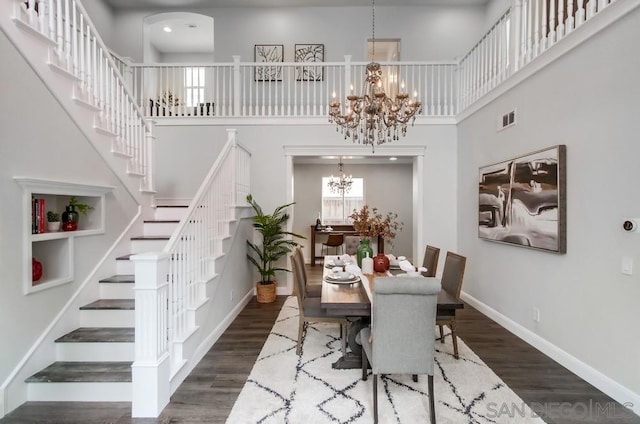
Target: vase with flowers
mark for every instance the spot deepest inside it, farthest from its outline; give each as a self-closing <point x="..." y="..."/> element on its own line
<point x="368" y="222"/>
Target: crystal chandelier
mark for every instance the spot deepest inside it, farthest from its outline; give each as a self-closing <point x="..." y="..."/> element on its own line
<point x="374" y="118"/>
<point x="342" y="183"/>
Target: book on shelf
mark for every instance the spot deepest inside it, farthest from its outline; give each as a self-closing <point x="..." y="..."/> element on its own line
<point x="38" y="221"/>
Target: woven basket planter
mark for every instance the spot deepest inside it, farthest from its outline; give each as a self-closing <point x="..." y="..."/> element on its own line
<point x="266" y="293"/>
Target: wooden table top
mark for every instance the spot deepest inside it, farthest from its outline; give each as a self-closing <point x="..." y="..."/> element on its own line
<point x="356" y="298"/>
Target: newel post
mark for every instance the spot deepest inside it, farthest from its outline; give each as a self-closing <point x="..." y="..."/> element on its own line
<point x="231" y="136"/>
<point x="151" y="369"/>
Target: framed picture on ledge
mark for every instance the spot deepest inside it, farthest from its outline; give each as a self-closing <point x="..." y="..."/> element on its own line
<point x="522" y="201"/>
<point x="309" y="53"/>
<point x="268" y="53"/>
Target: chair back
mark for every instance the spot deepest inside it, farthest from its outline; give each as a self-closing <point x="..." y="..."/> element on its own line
<point x="335" y="239"/>
<point x="403" y="325"/>
<point x="298" y="283"/>
<point x="300" y="257"/>
<point x="430" y="261"/>
<point x="351" y="244"/>
<point x="453" y="273"/>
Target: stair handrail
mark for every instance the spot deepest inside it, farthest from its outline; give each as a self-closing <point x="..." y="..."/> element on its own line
<point x="81" y="52"/>
<point x="172" y="284"/>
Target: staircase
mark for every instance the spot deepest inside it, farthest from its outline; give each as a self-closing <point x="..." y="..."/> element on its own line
<point x="61" y="45"/>
<point x="94" y="361"/>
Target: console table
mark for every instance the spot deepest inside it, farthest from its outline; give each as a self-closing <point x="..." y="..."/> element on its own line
<point x="346" y="229"/>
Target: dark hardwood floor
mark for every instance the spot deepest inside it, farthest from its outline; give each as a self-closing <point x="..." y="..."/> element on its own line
<point x="208" y="394"/>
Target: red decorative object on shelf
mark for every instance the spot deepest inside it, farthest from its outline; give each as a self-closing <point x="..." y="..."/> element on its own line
<point x="381" y="263"/>
<point x="70" y="219"/>
<point x="36" y="268"/>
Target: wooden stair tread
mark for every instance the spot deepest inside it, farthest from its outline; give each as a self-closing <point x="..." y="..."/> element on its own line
<point x="162" y="221"/>
<point x="151" y="238"/>
<point x="99" y="335"/>
<point x="83" y="372"/>
<point x="117" y="304"/>
<point x="125" y="278"/>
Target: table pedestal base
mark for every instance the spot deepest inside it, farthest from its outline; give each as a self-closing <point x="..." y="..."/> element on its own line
<point x="348" y="362"/>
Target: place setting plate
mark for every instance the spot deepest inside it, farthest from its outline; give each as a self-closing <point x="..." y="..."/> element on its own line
<point x="342" y="278"/>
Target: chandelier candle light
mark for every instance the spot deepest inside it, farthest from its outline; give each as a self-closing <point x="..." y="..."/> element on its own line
<point x="373" y="118"/>
<point x="341" y="184"/>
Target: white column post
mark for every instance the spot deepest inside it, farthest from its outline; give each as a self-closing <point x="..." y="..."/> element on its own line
<point x="347" y="80"/>
<point x="150" y="148"/>
<point x="151" y="370"/>
<point x="236" y="86"/>
<point x="516" y="24"/>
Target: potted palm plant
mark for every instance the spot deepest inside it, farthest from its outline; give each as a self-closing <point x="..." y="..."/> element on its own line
<point x="276" y="243"/>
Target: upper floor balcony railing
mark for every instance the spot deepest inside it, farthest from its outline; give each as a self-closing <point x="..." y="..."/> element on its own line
<point x="257" y="89"/>
<point x="304" y="90"/>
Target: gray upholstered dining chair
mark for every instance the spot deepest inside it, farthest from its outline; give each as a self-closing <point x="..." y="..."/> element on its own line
<point x="309" y="309"/>
<point x="312" y="289"/>
<point x="351" y="244"/>
<point x="451" y="280"/>
<point x="430" y="261"/>
<point x="402" y="335"/>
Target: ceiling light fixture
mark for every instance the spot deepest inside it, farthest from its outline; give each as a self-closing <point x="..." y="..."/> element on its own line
<point x="341" y="184"/>
<point x="373" y="117"/>
<point x="167" y="29"/>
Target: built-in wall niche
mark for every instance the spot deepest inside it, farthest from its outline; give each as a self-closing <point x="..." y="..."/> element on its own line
<point x="55" y="249"/>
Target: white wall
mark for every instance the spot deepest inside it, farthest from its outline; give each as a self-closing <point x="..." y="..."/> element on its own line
<point x="588" y="100"/>
<point x="388" y="187"/>
<point x="427" y="33"/>
<point x="38" y="140"/>
<point x="268" y="165"/>
<point x="102" y="18"/>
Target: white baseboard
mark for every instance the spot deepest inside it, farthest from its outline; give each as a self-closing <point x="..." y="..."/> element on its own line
<point x="621" y="394"/>
<point x="2" y="402"/>
<point x="283" y="291"/>
<point x="207" y="343"/>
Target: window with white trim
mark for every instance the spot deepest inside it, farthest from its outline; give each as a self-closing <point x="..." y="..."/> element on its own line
<point x="194" y="86"/>
<point x="336" y="207"/>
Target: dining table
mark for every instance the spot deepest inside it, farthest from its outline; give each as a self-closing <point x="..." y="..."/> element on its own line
<point x="353" y="300"/>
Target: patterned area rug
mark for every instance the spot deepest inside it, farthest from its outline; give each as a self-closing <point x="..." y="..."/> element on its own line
<point x="286" y="388"/>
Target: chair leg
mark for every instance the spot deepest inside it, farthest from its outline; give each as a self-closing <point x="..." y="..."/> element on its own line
<point x="454" y="338"/>
<point x="300" y="331"/>
<point x="343" y="338"/>
<point x="375" y="399"/>
<point x="365" y="365"/>
<point x="432" y="402"/>
<point x="441" y="334"/>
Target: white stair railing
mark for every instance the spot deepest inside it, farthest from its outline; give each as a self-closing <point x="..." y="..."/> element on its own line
<point x="171" y="285"/>
<point x="522" y="34"/>
<point x="257" y="90"/>
<point x="78" y="50"/>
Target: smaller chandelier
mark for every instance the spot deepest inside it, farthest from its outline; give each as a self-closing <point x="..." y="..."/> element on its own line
<point x="342" y="183"/>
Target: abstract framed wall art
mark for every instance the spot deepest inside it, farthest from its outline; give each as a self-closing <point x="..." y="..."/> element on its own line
<point x="309" y="53"/>
<point x="268" y="53"/>
<point x="522" y="201"/>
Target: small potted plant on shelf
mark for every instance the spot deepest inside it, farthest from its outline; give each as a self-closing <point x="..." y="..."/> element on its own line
<point x="53" y="221"/>
<point x="70" y="216"/>
<point x="276" y="243"/>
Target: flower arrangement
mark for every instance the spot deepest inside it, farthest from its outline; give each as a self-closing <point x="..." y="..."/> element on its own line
<point x="369" y="222"/>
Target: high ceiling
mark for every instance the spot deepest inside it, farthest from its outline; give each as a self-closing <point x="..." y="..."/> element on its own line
<point x="140" y="4"/>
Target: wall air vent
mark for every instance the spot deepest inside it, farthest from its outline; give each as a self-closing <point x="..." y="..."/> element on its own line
<point x="507" y="120"/>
